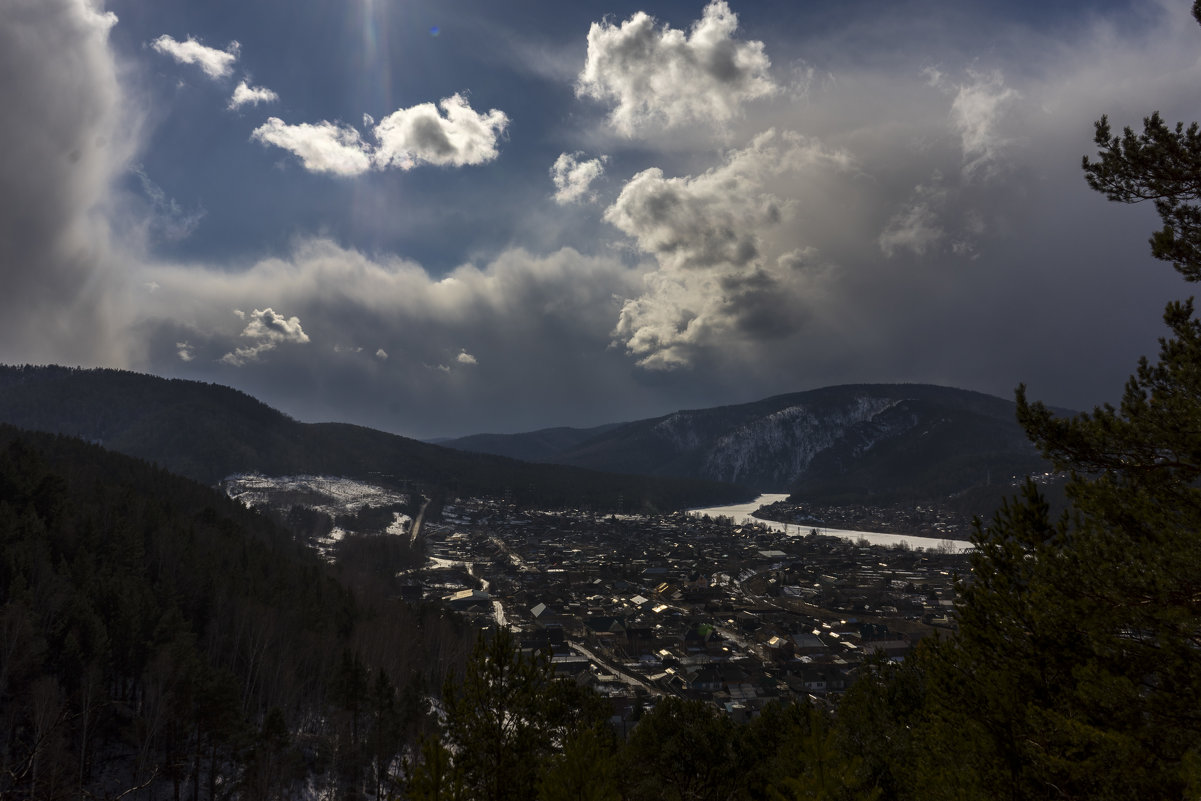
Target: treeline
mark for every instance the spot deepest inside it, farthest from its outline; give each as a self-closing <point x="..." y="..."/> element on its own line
<point x="207" y="432"/>
<point x="154" y="633"/>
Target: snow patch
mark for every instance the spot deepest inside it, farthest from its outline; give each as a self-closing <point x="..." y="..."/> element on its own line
<point x="781" y="445"/>
<point x="331" y="494"/>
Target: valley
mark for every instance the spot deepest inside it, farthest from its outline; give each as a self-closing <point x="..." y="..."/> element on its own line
<point x="737" y="612"/>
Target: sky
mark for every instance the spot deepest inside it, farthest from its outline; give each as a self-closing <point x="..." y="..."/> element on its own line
<point x="443" y="218"/>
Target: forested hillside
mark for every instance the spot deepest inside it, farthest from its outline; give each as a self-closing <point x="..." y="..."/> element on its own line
<point x="861" y="443"/>
<point x="207" y="432"/>
<point x="153" y="631"/>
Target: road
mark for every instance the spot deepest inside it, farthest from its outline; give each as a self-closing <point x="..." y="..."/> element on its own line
<point x="617" y="670"/>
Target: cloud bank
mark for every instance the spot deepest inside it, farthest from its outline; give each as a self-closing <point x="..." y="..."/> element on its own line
<point x="437" y="343"/>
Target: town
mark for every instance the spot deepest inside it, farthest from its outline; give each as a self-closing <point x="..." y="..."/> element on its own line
<point x="639" y="606"/>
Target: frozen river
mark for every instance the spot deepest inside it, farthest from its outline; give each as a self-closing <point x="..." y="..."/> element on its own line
<point x="743" y="513"/>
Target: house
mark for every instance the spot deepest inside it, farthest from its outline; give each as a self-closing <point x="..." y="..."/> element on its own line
<point x="601" y="624"/>
<point x="466" y="599"/>
<point x="780" y="648"/>
<point x="569" y="665"/>
<point x="705" y="679"/>
<point x="807" y="644"/>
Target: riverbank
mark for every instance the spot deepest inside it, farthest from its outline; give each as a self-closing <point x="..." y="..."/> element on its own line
<point x="744" y="512"/>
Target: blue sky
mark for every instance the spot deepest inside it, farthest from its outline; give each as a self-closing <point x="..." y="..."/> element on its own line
<point x="445" y="218"/>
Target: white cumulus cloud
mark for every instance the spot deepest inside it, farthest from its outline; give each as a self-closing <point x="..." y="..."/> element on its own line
<point x="215" y="63"/>
<point x="466" y="358"/>
<point x="722" y="276"/>
<point x="573" y="177"/>
<point x="457" y="136"/>
<point x="663" y="77"/>
<point x="268" y="326"/>
<point x="321" y="147"/>
<point x="245" y="94"/>
<point x="266" y="330"/>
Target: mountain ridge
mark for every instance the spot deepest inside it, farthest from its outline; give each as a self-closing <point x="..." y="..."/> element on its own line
<point x="846" y="443"/>
<point x="208" y="431"/>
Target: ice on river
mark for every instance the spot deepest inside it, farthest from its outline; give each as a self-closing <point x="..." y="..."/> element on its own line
<point x="744" y="513"/>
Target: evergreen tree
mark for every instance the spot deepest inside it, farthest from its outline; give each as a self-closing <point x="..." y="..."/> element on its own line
<point x="587" y="770"/>
<point x="875" y="724"/>
<point x="494" y="719"/>
<point x="682" y="751"/>
<point x="387" y="730"/>
<point x="435" y="776"/>
<point x="504" y="720"/>
<point x="143" y="616"/>
<point x="1077" y="672"/>
<point x="819" y="768"/>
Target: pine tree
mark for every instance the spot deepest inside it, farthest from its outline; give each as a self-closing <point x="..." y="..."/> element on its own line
<point x="682" y="750"/>
<point x="434" y="776"/>
<point x="494" y="719"/>
<point x="387" y="729"/>
<point x="503" y="721"/>
<point x="1077" y="670"/>
<point x="587" y="770"/>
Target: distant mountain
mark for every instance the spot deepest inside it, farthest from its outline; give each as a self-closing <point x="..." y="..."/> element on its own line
<point x="207" y="432"/>
<point x="855" y="443"/>
<point x="542" y="445"/>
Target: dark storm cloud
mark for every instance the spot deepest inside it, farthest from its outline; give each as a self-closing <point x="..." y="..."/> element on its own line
<point x="64" y="134"/>
<point x="763" y="305"/>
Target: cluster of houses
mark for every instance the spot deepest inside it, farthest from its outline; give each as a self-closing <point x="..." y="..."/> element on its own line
<point x="926" y="520"/>
<point x="638" y="606"/>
